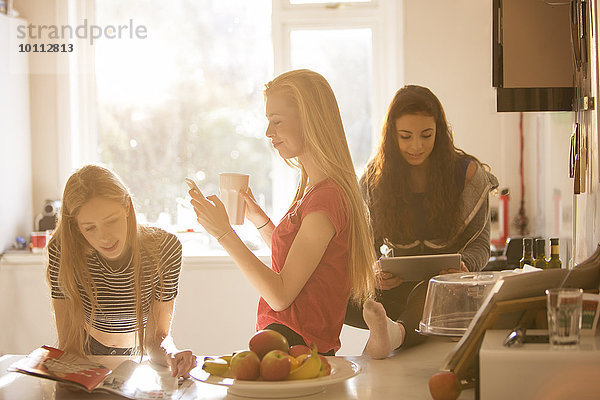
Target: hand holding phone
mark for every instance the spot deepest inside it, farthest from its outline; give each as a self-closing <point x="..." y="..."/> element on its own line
<point x="193" y="186"/>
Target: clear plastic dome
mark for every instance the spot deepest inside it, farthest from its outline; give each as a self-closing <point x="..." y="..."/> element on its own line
<point x="453" y="300"/>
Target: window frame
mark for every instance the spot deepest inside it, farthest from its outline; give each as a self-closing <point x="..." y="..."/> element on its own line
<point x="380" y="16"/>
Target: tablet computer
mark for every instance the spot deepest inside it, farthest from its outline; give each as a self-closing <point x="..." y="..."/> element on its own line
<point x="419" y="268"/>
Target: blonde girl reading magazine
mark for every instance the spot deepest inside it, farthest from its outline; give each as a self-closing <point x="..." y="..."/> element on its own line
<point x="113" y="282"/>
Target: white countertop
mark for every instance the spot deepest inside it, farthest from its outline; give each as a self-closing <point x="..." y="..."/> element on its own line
<point x="403" y="376"/>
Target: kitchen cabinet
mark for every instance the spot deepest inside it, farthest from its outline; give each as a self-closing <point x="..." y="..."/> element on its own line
<point x="215" y="310"/>
<point x="532" y="55"/>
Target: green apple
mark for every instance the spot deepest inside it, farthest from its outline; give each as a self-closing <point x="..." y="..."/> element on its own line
<point x="275" y="366"/>
<point x="245" y="365"/>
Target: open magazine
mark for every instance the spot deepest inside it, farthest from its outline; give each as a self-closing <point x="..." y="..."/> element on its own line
<point x="130" y="379"/>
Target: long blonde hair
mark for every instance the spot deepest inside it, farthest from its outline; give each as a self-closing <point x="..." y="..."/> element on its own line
<point x="89" y="182"/>
<point x="324" y="138"/>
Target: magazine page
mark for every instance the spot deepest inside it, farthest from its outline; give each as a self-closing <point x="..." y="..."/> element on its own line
<point x="51" y="363"/>
<point x="144" y="381"/>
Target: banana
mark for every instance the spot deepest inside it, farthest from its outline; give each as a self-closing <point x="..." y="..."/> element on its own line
<point x="310" y="368"/>
<point x="227" y="358"/>
<point x="216" y="366"/>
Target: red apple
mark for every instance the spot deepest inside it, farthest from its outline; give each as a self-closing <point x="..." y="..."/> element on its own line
<point x="298" y="349"/>
<point x="444" y="386"/>
<point x="325" y="366"/>
<point x="245" y="365"/>
<point x="266" y="340"/>
<point x="275" y="366"/>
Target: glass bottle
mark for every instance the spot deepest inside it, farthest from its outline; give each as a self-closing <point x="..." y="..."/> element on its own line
<point x="554" y="261"/>
<point x="540" y="254"/>
<point x="527" y="252"/>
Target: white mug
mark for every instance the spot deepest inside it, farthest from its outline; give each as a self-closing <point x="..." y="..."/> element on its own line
<point x="230" y="186"/>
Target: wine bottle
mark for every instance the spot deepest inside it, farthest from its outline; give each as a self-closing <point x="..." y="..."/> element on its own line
<point x="527" y="252"/>
<point x="554" y="261"/>
<point x="540" y="254"/>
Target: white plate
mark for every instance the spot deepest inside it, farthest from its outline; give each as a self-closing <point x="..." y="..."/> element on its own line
<point x="341" y="369"/>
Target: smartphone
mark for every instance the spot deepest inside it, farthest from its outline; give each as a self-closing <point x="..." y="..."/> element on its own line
<point x="193" y="186"/>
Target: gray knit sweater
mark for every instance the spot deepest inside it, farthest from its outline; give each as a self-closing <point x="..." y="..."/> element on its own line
<point x="472" y="237"/>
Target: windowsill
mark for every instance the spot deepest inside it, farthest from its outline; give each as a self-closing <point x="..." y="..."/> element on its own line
<point x="25" y="257"/>
<point x="216" y="262"/>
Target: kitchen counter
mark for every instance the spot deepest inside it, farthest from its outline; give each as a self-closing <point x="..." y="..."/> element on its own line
<point x="405" y="375"/>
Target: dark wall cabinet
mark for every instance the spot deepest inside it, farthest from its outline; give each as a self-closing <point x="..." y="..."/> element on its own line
<point x="533" y="57"/>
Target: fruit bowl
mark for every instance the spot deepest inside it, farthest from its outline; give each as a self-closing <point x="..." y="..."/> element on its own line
<point x="341" y="369"/>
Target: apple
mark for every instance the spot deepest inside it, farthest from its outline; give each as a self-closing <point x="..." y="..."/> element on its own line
<point x="266" y="340"/>
<point x="298" y="349"/>
<point x="325" y="366"/>
<point x="444" y="386"/>
<point x="245" y="365"/>
<point x="275" y="366"/>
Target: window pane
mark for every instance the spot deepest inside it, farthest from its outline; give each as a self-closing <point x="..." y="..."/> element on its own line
<point x="185" y="101"/>
<point x="343" y="57"/>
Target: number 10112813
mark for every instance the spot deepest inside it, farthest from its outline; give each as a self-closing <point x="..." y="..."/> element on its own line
<point x="46" y="48"/>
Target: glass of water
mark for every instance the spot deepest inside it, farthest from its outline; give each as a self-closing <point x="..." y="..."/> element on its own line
<point x="564" y="316"/>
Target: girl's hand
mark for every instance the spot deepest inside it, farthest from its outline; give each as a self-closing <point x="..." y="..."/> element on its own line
<point x="181" y="363"/>
<point x="463" y="268"/>
<point x="385" y="280"/>
<point x="254" y="213"/>
<point x="211" y="213"/>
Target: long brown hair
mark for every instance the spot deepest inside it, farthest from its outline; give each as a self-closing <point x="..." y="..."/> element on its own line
<point x="89" y="182"/>
<point x="386" y="179"/>
<point x="324" y="138"/>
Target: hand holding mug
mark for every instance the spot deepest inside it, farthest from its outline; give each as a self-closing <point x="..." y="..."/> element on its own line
<point x="254" y="213"/>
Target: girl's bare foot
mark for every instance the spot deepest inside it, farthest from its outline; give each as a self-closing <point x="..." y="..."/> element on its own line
<point x="385" y="335"/>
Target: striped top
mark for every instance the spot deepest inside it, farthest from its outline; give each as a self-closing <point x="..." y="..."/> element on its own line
<point x="115" y="286"/>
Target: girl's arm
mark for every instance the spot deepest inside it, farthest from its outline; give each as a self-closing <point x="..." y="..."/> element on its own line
<point x="258" y="217"/>
<point x="62" y="322"/>
<point x="477" y="253"/>
<point x="280" y="289"/>
<point x="160" y="344"/>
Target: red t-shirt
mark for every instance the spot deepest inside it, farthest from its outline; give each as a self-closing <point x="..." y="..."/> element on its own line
<point x="317" y="313"/>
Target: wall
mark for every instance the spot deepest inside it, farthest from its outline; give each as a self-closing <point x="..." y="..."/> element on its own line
<point x="43" y="86"/>
<point x="16" y="217"/>
<point x="548" y="188"/>
<point x="448" y="48"/>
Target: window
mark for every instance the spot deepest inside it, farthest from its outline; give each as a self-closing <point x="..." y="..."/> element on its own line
<point x="187" y="100"/>
<point x="353" y="44"/>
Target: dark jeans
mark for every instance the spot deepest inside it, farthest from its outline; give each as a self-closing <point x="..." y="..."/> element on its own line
<point x="403" y="304"/>
<point x="98" y="349"/>
<point x="292" y="337"/>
